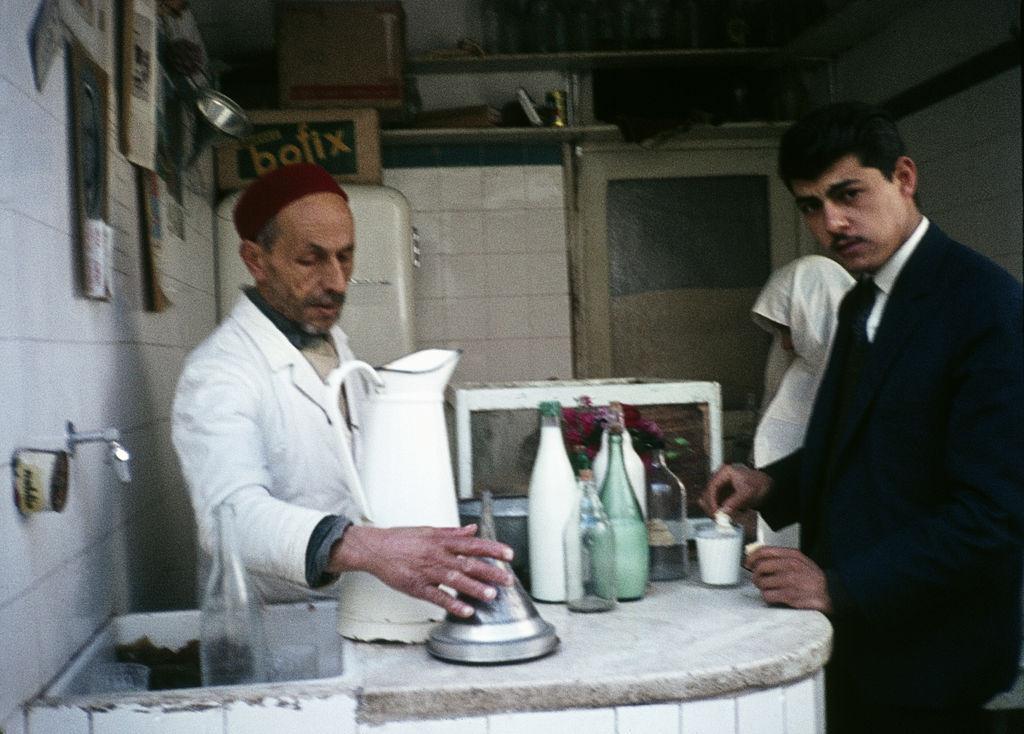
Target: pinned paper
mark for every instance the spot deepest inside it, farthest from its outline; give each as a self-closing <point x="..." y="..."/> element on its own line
<point x="99" y="245"/>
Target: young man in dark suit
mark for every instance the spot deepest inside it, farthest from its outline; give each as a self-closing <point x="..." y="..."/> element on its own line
<point x="910" y="483"/>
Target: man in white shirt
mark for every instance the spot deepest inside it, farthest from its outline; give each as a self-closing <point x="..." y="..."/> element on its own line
<point x="252" y="426"/>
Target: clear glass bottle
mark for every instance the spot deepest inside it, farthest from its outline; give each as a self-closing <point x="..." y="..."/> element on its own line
<point x="619" y="500"/>
<point x="666" y="521"/>
<point x="590" y="584"/>
<point x="232" y="641"/>
<point x="551" y="495"/>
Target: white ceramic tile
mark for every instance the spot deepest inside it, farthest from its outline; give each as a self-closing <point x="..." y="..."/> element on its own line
<point x="761" y="712"/>
<point x="459" y="189"/>
<point x="656" y="719"/>
<point x="44" y="257"/>
<point x="544" y="231"/>
<point x="12" y="395"/>
<point x="428" y="225"/>
<point x="131" y="720"/>
<point x="73" y="603"/>
<point x="9" y="277"/>
<point x="433" y="278"/>
<point x="504" y="187"/>
<point x="469" y="318"/>
<point x="475" y="364"/>
<point x="58" y="720"/>
<point x="525" y="230"/>
<point x="475" y="725"/>
<point x="549" y="359"/>
<point x="19" y="637"/>
<point x="544" y="186"/>
<point x="548" y="316"/>
<point x="17" y="576"/>
<point x="592" y="721"/>
<point x="510" y="359"/>
<point x="418" y="185"/>
<point x="14" y="724"/>
<point x="716" y="716"/>
<point x="450" y="231"/>
<point x="470" y="276"/>
<point x="328" y="715"/>
<point x="800" y="708"/>
<point x="35" y="154"/>
<point x="503" y="229"/>
<point x="463" y="231"/>
<point x="510" y="317"/>
<point x="530" y="274"/>
<point x="431" y="319"/>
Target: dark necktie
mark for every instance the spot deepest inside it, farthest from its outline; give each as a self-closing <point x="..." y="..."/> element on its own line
<point x="850" y="352"/>
<point x="857" y="307"/>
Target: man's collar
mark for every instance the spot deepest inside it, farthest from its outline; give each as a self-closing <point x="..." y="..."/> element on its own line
<point x="293" y="330"/>
<point x="885" y="276"/>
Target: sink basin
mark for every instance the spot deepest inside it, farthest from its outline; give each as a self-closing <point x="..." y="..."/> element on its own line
<point x="320" y="671"/>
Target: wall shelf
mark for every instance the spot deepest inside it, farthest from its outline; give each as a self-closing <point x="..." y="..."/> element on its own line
<point x="599" y="133"/>
<point x="585" y="61"/>
<point x="425" y="136"/>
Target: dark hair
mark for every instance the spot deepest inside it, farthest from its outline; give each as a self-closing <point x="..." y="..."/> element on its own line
<point x="822" y="137"/>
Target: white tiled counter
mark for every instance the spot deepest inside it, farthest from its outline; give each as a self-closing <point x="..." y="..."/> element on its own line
<point x="686" y="659"/>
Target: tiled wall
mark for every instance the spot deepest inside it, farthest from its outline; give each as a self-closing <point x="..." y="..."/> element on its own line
<point x="494" y="275"/>
<point x="796" y="708"/>
<point x="98" y="364"/>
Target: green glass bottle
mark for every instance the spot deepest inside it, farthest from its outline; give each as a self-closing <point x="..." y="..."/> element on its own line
<point x="631" y="555"/>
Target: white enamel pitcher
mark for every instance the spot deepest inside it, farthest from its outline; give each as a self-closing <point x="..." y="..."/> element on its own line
<point x="406" y="476"/>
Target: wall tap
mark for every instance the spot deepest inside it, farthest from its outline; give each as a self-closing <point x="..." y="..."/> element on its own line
<point x="120" y="458"/>
<point x="117" y="454"/>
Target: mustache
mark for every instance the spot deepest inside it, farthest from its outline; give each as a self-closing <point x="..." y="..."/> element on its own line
<point x="839" y="242"/>
<point x="326" y="299"/>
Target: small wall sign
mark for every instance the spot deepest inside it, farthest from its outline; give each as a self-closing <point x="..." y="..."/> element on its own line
<point x="345" y="142"/>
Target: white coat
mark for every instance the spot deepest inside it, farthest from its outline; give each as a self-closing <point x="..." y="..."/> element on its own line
<point x="803" y="295"/>
<point x="253" y="424"/>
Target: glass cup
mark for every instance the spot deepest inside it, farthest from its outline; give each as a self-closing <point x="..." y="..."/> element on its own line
<point x="117" y="677"/>
<point x="719" y="552"/>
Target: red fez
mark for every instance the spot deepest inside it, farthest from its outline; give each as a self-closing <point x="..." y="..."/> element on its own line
<point x="271" y="193"/>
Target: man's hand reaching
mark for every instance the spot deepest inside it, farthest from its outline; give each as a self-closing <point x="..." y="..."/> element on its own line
<point x="419" y="560"/>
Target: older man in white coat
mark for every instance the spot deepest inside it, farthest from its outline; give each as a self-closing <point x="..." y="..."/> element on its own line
<point x="252" y="428"/>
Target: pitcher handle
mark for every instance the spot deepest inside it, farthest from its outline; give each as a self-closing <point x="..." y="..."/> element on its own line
<point x="334" y="382"/>
<point x="339" y="375"/>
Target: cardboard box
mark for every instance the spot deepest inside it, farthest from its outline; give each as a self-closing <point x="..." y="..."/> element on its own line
<point x="345" y="142"/>
<point x="333" y="54"/>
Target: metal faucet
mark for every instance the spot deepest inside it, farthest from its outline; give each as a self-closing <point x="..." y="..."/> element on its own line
<point x="117" y="454"/>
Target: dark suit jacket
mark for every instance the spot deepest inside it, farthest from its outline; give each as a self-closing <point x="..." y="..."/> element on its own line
<point x="921" y="528"/>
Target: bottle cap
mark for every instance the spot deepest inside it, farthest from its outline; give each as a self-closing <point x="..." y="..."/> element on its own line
<point x="550" y="408"/>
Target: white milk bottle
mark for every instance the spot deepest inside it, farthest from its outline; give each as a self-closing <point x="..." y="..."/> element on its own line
<point x="552" y="491"/>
